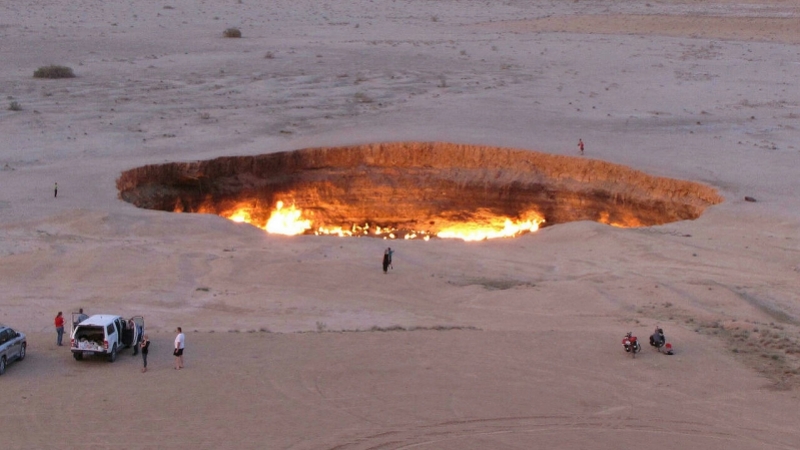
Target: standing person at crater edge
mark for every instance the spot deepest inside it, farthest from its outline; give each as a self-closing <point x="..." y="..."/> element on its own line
<point x="387" y="259"/>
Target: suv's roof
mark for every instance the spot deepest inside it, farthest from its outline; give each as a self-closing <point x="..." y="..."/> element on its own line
<point x="100" y="319"/>
<point x="4" y="327"/>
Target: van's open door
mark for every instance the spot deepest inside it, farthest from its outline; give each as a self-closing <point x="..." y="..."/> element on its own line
<point x="138" y="330"/>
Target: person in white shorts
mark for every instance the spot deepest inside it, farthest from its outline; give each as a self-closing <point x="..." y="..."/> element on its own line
<point x="179" y="344"/>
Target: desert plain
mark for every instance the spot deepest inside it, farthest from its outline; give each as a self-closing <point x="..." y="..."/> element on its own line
<point x="303" y="342"/>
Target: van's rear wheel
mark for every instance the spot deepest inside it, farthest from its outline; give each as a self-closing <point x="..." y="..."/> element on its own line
<point x="113" y="356"/>
<point x="78" y="356"/>
<point x="2" y="365"/>
<point x="22" y="351"/>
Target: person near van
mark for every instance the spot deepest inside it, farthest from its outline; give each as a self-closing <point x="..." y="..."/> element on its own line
<point x="79" y="318"/>
<point x="180" y="341"/>
<point x="59" y="322"/>
<point x="145" y="346"/>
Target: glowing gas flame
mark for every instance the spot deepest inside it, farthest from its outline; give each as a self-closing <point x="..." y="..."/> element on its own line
<point x="241" y="216"/>
<point x="482" y="225"/>
<point x="499" y="227"/>
<point x="626" y="222"/>
<point x="287" y="221"/>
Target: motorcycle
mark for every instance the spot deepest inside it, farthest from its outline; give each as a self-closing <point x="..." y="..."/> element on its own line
<point x="631" y="344"/>
<point x="659" y="341"/>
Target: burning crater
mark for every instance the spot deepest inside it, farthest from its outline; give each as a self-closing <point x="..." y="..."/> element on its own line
<point x="414" y="190"/>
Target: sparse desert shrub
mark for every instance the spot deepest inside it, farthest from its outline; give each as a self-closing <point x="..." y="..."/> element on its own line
<point x="232" y="33"/>
<point x="269" y="55"/>
<point x="363" y="98"/>
<point x="14" y="106"/>
<point x="54" y="71"/>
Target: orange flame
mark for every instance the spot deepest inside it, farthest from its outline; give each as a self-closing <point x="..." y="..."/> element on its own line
<point x="289" y="221"/>
<point x="499" y="227"/>
<point x="627" y="222"/>
<point x="241" y="216"/>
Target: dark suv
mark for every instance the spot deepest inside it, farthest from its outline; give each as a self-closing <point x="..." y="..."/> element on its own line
<point x="12" y="346"/>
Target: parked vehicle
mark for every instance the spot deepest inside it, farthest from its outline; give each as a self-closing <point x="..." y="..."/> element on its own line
<point x="13" y="346"/>
<point x="106" y="335"/>
<point x="631" y="344"/>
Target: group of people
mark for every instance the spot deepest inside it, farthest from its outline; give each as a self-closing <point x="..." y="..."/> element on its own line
<point x="659" y="341"/>
<point x="142" y="344"/>
<point x="177" y="352"/>
<point x="59" y="323"/>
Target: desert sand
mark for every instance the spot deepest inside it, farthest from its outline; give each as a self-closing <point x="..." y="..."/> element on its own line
<point x="303" y="342"/>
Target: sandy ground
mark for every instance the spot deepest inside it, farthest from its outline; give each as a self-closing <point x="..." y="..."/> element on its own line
<point x="500" y="344"/>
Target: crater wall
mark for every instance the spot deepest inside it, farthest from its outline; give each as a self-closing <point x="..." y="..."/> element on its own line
<point x="418" y="186"/>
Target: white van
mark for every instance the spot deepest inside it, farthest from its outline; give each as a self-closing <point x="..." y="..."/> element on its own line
<point x="106" y="335"/>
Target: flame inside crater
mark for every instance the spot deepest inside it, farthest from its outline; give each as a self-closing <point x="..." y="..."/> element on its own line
<point x="414" y="190"/>
<point x="291" y="221"/>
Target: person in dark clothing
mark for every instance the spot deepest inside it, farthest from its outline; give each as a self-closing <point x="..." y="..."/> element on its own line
<point x="657" y="339"/>
<point x="56" y="191"/>
<point x="387" y="259"/>
<point x="145" y="346"/>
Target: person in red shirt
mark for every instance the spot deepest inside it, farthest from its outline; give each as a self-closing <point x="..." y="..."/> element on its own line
<point x="59" y="322"/>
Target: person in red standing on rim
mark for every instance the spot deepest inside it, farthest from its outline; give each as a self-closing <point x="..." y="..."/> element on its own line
<point x="580" y="146"/>
<point x="59" y="322"/>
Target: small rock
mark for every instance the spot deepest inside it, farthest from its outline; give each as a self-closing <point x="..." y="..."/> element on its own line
<point x="749" y="199"/>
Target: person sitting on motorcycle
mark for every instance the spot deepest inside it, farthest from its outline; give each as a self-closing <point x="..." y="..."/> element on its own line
<point x="658" y="339"/>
